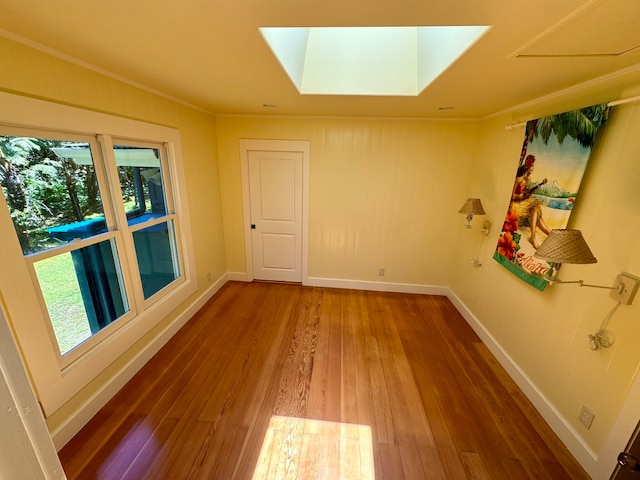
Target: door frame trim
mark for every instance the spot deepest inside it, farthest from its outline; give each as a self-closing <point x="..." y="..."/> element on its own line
<point x="302" y="146"/>
<point x="622" y="430"/>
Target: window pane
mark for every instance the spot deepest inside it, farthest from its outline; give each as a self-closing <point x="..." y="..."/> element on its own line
<point x="51" y="190"/>
<point x="141" y="182"/>
<point x="83" y="292"/>
<point x="157" y="259"/>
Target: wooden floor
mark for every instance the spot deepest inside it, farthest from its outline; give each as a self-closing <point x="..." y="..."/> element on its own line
<point x="275" y="381"/>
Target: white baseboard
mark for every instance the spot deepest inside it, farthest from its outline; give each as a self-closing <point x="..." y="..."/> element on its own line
<point x="92" y="405"/>
<point x="375" y="286"/>
<point x="567" y="434"/>
<point x="238" y="277"/>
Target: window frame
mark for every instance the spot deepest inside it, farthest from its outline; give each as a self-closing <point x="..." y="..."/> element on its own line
<point x="67" y="359"/>
<point x="55" y="378"/>
<point x="107" y="143"/>
<point x="113" y="233"/>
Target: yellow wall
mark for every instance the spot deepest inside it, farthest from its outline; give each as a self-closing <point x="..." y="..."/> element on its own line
<point x="382" y="193"/>
<point x="545" y="333"/>
<point x="28" y="72"/>
<point x="32" y="73"/>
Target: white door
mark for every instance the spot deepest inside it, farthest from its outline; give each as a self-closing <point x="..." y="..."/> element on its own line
<point x="275" y="186"/>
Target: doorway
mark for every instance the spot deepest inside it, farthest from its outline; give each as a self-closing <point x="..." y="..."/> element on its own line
<point x="275" y="196"/>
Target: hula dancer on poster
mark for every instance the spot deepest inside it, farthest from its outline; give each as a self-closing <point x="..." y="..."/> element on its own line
<point x="523" y="205"/>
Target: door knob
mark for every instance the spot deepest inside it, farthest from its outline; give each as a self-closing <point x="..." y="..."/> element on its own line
<point x="628" y="462"/>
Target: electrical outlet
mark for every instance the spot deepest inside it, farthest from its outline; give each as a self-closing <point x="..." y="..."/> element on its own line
<point x="586" y="417"/>
<point x="208" y="276"/>
<point x="381" y="272"/>
<point x="631" y="284"/>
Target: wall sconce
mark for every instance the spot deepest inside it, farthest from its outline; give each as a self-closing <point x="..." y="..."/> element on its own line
<point x="473" y="206"/>
<point x="568" y="246"/>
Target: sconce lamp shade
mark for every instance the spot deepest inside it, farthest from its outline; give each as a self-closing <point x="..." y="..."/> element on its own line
<point x="568" y="246"/>
<point x="565" y="246"/>
<point x="472" y="206"/>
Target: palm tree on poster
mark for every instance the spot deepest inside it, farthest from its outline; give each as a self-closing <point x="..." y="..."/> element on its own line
<point x="581" y="125"/>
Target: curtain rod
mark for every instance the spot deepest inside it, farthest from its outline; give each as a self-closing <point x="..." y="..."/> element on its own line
<point x="624" y="100"/>
<point x="610" y="104"/>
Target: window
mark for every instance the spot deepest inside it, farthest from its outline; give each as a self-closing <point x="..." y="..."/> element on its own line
<point x="95" y="231"/>
<point x="144" y="196"/>
<point x="54" y="186"/>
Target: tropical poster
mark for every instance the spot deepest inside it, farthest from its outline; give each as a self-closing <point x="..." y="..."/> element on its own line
<point x="552" y="162"/>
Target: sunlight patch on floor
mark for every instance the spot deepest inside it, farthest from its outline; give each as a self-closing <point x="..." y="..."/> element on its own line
<point x="299" y="448"/>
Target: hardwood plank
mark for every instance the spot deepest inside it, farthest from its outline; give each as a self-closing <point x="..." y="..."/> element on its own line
<point x="383" y="428"/>
<point x="474" y="431"/>
<point x="304" y="448"/>
<point x="408" y="412"/>
<point x="149" y="383"/>
<point x="474" y="466"/>
<point x="358" y="318"/>
<point x="278" y="351"/>
<point x="505" y="425"/>
<point x="349" y="408"/>
<point x="319" y="374"/>
<point x="388" y="462"/>
<point x="515" y="469"/>
<point x="332" y="394"/>
<point x="229" y="452"/>
<point x="298" y="367"/>
<point x="182" y="426"/>
<point x="188" y="450"/>
<point x="408" y="425"/>
<point x="310" y="453"/>
<point x="432" y="465"/>
<point x="150" y="453"/>
<point x="119" y="450"/>
<point x="522" y="407"/>
<point x="330" y="384"/>
<point x="433" y="376"/>
<point x="445" y="444"/>
<point x="249" y="402"/>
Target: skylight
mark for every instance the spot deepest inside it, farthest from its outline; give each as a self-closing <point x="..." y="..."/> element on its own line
<point x="368" y="60"/>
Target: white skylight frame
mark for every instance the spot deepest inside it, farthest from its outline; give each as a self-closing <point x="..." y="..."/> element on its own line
<point x="397" y="61"/>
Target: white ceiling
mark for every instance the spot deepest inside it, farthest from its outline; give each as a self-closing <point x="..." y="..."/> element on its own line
<point x="210" y="53"/>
